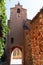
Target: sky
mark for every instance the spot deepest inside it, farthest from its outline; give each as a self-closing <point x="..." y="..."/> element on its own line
<point x="32" y="6"/>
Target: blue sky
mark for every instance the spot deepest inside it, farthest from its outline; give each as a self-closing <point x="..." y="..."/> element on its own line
<point x="32" y="6"/>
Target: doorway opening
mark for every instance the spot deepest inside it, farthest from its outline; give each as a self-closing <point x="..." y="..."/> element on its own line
<point x="16" y="57"/>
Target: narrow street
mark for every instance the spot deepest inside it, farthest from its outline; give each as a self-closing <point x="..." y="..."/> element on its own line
<point x="16" y="62"/>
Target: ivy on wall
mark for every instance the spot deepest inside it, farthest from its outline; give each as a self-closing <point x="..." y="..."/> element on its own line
<point x="3" y="25"/>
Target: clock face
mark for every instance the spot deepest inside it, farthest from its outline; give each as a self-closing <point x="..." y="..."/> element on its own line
<point x="18" y="15"/>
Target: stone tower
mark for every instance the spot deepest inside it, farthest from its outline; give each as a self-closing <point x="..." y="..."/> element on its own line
<point x="15" y="37"/>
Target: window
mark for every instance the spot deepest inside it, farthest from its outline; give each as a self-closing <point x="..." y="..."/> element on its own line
<point x="18" y="10"/>
<point x="12" y="40"/>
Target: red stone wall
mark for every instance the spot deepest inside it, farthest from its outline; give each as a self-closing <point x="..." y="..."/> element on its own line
<point x="37" y="40"/>
<point x="27" y="47"/>
<point x="16" y="30"/>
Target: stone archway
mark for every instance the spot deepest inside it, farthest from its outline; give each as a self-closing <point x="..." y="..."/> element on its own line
<point x="16" y="56"/>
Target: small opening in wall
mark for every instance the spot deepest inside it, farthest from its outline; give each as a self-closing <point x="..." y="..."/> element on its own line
<point x="18" y="10"/>
<point x="12" y="40"/>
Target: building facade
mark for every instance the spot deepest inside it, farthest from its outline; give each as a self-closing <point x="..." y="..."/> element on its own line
<point x="25" y="34"/>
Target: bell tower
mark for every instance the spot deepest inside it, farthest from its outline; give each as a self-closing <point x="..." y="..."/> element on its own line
<point x="17" y="17"/>
<point x="15" y="38"/>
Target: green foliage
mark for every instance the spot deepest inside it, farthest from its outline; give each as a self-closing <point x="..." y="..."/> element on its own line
<point x="3" y="24"/>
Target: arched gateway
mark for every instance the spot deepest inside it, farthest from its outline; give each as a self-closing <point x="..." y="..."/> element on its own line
<point x="16" y="56"/>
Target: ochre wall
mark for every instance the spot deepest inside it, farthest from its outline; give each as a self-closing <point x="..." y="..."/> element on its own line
<point x="37" y="39"/>
<point x="28" y="49"/>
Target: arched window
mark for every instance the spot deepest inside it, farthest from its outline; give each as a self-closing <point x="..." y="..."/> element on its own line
<point x="18" y="10"/>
